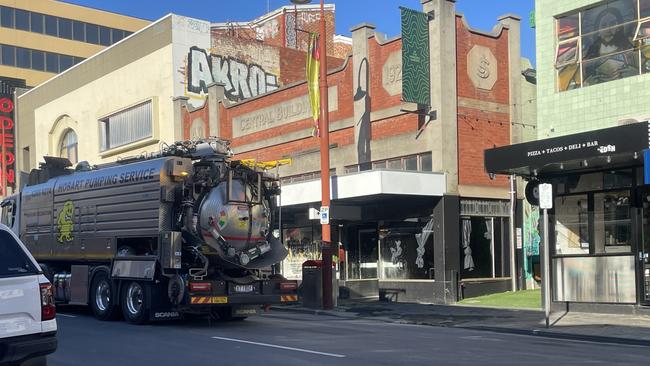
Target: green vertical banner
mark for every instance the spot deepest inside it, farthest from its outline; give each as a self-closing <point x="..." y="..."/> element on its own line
<point x="416" y="86"/>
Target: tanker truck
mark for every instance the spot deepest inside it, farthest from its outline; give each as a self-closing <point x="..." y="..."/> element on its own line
<point x="185" y="230"/>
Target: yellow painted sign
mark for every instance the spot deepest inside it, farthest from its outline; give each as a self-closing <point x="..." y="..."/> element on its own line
<point x="65" y="223"/>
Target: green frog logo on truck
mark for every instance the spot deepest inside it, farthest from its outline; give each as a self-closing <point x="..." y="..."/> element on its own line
<point x="64" y="222"/>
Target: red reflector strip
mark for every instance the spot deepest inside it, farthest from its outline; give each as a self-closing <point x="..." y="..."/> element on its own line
<point x="200" y="286"/>
<point x="285" y="286"/>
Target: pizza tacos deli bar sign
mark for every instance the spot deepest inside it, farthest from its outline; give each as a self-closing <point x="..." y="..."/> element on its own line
<point x="570" y="147"/>
<point x="625" y="139"/>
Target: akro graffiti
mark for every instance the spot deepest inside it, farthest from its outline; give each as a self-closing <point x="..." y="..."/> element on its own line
<point x="241" y="80"/>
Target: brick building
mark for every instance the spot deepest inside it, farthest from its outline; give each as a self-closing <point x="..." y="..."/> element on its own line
<point x="417" y="216"/>
<point x="414" y="211"/>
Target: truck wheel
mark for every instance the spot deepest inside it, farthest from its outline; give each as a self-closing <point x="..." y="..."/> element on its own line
<point x="135" y="302"/>
<point x="102" y="297"/>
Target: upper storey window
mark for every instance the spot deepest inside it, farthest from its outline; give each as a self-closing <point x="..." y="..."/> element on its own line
<point x="606" y="42"/>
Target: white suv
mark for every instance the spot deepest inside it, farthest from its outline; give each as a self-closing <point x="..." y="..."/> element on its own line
<point x="27" y="312"/>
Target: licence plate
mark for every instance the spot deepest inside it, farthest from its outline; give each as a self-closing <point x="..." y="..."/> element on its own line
<point x="244" y="288"/>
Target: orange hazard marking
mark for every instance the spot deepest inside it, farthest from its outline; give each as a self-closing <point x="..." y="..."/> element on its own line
<point x="288" y="298"/>
<point x="201" y="300"/>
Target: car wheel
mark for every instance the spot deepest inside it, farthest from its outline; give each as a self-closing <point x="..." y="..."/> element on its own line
<point x="135" y="302"/>
<point x="102" y="297"/>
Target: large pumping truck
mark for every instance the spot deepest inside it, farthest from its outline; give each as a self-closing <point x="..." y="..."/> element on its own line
<point x="184" y="230"/>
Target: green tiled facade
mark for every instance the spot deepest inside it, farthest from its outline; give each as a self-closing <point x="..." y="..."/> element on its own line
<point x="587" y="108"/>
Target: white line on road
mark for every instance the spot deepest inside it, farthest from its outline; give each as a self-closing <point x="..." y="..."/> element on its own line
<point x="67" y="315"/>
<point x="281" y="347"/>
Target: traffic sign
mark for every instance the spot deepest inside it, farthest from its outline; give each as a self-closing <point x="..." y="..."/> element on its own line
<point x="324" y="215"/>
<point x="545" y="196"/>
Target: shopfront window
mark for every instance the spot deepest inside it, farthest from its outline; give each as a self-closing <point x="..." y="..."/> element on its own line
<point x="484" y="243"/>
<point x="407" y="250"/>
<point x="571" y="225"/>
<point x="303" y="243"/>
<point x="362" y="255"/>
<point x="592" y="213"/>
<point x="612" y="223"/>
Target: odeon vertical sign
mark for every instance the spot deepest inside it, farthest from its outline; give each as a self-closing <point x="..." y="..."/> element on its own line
<point x="7" y="137"/>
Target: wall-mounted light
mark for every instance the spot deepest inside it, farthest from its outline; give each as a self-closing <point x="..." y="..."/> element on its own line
<point x="609" y="159"/>
<point x="561" y="166"/>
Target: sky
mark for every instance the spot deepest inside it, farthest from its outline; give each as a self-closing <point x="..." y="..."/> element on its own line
<point x="384" y="14"/>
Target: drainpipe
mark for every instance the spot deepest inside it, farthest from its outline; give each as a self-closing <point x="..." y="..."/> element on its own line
<point x="513" y="204"/>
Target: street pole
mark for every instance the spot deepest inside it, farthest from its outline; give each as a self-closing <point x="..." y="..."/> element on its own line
<point x="325" y="164"/>
<point x="545" y="272"/>
<point x="513" y="246"/>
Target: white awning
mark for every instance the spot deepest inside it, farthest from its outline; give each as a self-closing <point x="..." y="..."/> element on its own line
<point x="367" y="183"/>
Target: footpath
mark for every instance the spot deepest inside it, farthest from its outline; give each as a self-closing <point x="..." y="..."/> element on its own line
<point x="622" y="329"/>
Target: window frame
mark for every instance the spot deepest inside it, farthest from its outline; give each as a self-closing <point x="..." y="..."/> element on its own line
<point x="47" y="31"/>
<point x="33" y="21"/>
<point x="30" y="270"/>
<point x="68" y="147"/>
<point x="22" y="12"/>
<point x="579" y="59"/>
<point x="104" y="127"/>
<point x="4" y="9"/>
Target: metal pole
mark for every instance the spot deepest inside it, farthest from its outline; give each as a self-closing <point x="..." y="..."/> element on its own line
<point x="280" y="210"/>
<point x="325" y="163"/>
<point x="513" y="203"/>
<point x="546" y="285"/>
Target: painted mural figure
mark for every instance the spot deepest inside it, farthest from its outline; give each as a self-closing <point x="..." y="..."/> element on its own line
<point x="611" y="40"/>
<point x="65" y="223"/>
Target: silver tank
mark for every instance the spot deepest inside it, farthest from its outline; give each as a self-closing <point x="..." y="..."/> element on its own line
<point x="242" y="225"/>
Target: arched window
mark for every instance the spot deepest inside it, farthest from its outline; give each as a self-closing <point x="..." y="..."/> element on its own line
<point x="68" y="146"/>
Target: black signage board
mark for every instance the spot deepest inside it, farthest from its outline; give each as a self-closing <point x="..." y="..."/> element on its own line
<point x="524" y="158"/>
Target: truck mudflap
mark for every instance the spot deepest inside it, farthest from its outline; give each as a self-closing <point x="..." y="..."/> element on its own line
<point x="243" y="299"/>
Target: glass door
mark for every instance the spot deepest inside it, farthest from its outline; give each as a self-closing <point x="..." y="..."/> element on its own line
<point x="368" y="254"/>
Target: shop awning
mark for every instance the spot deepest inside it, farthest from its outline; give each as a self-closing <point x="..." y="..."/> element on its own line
<point x="609" y="147"/>
<point x="366" y="184"/>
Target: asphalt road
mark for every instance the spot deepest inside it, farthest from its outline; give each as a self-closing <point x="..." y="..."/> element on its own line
<point x="280" y="338"/>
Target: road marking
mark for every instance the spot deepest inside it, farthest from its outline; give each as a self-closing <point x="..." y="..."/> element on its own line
<point x="67" y="315"/>
<point x="281" y="347"/>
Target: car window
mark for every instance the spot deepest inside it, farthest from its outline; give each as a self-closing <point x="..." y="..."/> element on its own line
<point x="13" y="261"/>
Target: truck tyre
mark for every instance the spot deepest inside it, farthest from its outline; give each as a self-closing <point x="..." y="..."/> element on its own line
<point x="135" y="302"/>
<point x="103" y="296"/>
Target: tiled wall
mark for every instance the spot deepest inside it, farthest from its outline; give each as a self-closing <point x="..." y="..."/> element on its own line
<point x="582" y="109"/>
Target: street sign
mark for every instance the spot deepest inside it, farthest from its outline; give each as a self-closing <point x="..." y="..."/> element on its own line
<point x="324" y="215"/>
<point x="545" y="196"/>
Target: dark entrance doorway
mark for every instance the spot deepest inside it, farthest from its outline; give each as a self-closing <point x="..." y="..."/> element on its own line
<point x="644" y="245"/>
